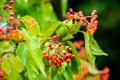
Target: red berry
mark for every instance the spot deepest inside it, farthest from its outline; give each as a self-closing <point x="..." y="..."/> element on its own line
<point x="2" y="73"/>
<point x="59" y="44"/>
<point x="6" y="6"/>
<point x="95" y="23"/>
<point x="80" y="14"/>
<point x="54" y="38"/>
<point x="61" y="59"/>
<point x="64" y="52"/>
<point x="10" y="7"/>
<point x="10" y="28"/>
<point x="1" y="30"/>
<point x="0" y="18"/>
<point x="14" y="31"/>
<point x="8" y="36"/>
<point x="56" y="66"/>
<point x="68" y="61"/>
<point x="50" y="57"/>
<point x="95" y="16"/>
<point x="57" y="36"/>
<point x="50" y="48"/>
<point x="70" y="9"/>
<point x="72" y="56"/>
<point x="11" y="19"/>
<point x="12" y="14"/>
<point x="49" y="45"/>
<point x="67" y="47"/>
<point x="57" y="59"/>
<point x="17" y="23"/>
<point x="52" y="62"/>
<point x="1" y="33"/>
<point x="70" y="49"/>
<point x="44" y="53"/>
<point x="47" y="57"/>
<point x="54" y="55"/>
<point x="12" y="2"/>
<point x="67" y="56"/>
<point x="93" y="13"/>
<point x="60" y="64"/>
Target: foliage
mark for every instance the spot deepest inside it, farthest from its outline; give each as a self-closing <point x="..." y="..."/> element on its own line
<point x="41" y="47"/>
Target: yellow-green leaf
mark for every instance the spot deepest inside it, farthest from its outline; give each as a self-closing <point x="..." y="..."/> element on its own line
<point x="32" y="25"/>
<point x="12" y="66"/>
<point x="49" y="32"/>
<point x="5" y="47"/>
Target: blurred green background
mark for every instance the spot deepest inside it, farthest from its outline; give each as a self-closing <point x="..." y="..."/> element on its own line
<point x="107" y="34"/>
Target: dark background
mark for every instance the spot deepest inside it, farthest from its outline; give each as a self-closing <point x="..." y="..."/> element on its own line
<point x="108" y="33"/>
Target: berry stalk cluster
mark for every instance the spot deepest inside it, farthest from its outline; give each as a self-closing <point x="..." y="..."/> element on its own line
<point x="55" y="54"/>
<point x="79" y="17"/>
<point x="10" y="29"/>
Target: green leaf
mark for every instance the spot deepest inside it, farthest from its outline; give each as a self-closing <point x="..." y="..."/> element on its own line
<point x="33" y="45"/>
<point x="69" y="72"/>
<point x="62" y="30"/>
<point x="72" y="30"/>
<point x="69" y="24"/>
<point x="31" y="25"/>
<point x="92" y="48"/>
<point x="58" y="76"/>
<point x="41" y="77"/>
<point x="5" y="47"/>
<point x="95" y="49"/>
<point x="27" y="60"/>
<point x="12" y="66"/>
<point x="90" y="56"/>
<point x="52" y="71"/>
<point x="76" y="61"/>
<point x="49" y="32"/>
<point x="74" y="66"/>
<point x="64" y="73"/>
<point x="68" y="37"/>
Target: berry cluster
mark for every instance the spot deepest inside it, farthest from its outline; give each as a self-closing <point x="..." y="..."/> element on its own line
<point x="79" y="17"/>
<point x="11" y="28"/>
<point x="55" y="55"/>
